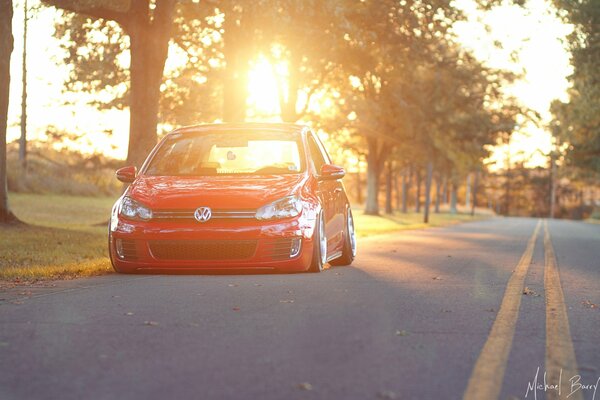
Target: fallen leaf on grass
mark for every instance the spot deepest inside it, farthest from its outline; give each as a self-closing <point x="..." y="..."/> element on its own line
<point x="304" y="386"/>
<point x="151" y="323"/>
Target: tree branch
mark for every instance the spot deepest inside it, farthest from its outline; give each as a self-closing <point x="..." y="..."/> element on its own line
<point x="113" y="10"/>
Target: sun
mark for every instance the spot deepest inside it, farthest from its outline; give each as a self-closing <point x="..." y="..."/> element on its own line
<point x="263" y="90"/>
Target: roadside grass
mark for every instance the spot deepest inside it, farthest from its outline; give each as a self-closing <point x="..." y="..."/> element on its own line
<point x="65" y="237"/>
<point x="369" y="225"/>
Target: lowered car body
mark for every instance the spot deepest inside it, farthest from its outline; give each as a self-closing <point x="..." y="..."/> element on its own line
<point x="233" y="197"/>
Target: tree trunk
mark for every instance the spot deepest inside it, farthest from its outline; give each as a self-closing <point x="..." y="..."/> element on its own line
<point x="397" y="191"/>
<point x="388" y="189"/>
<point x="405" y="191"/>
<point x="418" y="194"/>
<point x="149" y="42"/>
<point x="428" y="191"/>
<point x="23" y="138"/>
<point x="553" y="185"/>
<point x="438" y="194"/>
<point x="6" y="48"/>
<point x="375" y="161"/>
<point x="475" y="184"/>
<point x="359" y="199"/>
<point x="236" y="52"/>
<point x="507" y="193"/>
<point x="288" y="104"/>
<point x="468" y="192"/>
<point x="445" y="190"/>
<point x="372" y="203"/>
<point x="453" y="198"/>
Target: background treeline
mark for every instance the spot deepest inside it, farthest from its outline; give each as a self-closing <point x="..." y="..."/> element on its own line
<point x="410" y="112"/>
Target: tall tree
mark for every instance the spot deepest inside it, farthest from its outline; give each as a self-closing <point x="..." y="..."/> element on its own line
<point x="23" y="138"/>
<point x="577" y="122"/>
<point x="6" y="48"/>
<point x="148" y="25"/>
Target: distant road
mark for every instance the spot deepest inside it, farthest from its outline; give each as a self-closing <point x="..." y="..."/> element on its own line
<point x="470" y="311"/>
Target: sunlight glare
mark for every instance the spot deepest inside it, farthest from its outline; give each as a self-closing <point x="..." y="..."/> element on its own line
<point x="263" y="90"/>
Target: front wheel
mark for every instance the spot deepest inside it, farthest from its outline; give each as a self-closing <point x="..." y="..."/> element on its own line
<point x="319" y="257"/>
<point x="349" y="249"/>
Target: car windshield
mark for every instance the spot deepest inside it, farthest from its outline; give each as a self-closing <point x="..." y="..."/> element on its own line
<point x="227" y="153"/>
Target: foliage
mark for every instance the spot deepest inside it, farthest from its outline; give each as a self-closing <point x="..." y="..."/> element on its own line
<point x="392" y="71"/>
<point x="577" y="122"/>
<point x="61" y="172"/>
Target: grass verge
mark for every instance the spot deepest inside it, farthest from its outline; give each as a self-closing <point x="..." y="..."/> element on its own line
<point x="369" y="225"/>
<point x="65" y="237"/>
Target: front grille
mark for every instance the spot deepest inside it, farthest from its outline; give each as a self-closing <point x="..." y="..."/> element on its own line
<point x="126" y="249"/>
<point x="188" y="215"/>
<point x="210" y="250"/>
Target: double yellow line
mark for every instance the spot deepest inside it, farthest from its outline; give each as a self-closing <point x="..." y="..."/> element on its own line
<point x="488" y="374"/>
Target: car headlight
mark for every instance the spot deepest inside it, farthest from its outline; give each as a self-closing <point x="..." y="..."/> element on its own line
<point x="114" y="215"/>
<point x="286" y="207"/>
<point x="134" y="210"/>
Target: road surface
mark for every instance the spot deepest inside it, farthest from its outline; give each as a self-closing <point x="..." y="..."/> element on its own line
<point x="471" y="311"/>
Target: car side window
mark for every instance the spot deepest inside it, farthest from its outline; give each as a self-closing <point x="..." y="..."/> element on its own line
<point x="315" y="154"/>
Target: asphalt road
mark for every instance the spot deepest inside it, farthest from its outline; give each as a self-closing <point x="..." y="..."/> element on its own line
<point x="432" y="314"/>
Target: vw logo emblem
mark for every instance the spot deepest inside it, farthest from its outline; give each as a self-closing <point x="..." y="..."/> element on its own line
<point x="202" y="214"/>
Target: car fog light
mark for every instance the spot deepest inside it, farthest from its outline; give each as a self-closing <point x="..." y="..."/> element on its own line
<point x="296" y="246"/>
<point x="119" y="247"/>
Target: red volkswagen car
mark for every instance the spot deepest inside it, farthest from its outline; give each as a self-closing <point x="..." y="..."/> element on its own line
<point x="233" y="197"/>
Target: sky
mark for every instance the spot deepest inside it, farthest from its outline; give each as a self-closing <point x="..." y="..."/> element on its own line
<point x="532" y="33"/>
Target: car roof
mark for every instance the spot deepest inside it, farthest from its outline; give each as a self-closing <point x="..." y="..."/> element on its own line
<point x="270" y="126"/>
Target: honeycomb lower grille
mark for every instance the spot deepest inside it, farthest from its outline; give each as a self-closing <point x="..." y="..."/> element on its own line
<point x="127" y="250"/>
<point x="203" y="249"/>
<point x="279" y="249"/>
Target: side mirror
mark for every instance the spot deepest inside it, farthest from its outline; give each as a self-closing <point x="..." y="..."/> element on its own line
<point x="331" y="172"/>
<point x="126" y="174"/>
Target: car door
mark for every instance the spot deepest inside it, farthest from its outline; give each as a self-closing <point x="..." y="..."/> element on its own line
<point x="330" y="192"/>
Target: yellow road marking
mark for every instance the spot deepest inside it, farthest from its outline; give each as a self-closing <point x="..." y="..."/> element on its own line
<point x="560" y="355"/>
<point x="488" y="374"/>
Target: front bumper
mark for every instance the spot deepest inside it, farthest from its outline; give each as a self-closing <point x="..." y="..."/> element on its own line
<point x="214" y="245"/>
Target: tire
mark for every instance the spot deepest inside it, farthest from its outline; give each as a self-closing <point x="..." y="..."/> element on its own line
<point x="319" y="255"/>
<point x="349" y="249"/>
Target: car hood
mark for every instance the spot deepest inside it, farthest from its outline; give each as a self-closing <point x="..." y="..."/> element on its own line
<point x="217" y="192"/>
